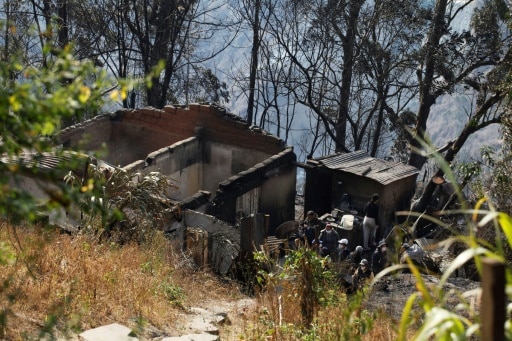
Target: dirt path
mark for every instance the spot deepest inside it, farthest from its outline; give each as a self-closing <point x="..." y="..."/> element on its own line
<point x="226" y="319"/>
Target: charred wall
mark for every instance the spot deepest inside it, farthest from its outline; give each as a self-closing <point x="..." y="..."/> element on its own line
<point x="205" y="148"/>
<point x="275" y="178"/>
<point x="129" y="135"/>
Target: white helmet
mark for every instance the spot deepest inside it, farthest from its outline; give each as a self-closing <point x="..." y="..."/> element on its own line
<point x="343" y="241"/>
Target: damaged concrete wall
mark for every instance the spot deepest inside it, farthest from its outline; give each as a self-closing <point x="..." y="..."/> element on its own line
<point x="181" y="161"/>
<point x="222" y="161"/>
<point x="205" y="149"/>
<point x="276" y="178"/>
<point x="223" y="238"/>
<point x="133" y="134"/>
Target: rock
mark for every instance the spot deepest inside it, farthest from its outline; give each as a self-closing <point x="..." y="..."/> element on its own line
<point x="206" y="320"/>
<point x="111" y="332"/>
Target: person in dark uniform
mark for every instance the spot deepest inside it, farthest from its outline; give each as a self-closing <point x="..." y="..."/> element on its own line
<point x="309" y="228"/>
<point x="362" y="275"/>
<point x="380" y="258"/>
<point x="328" y="241"/>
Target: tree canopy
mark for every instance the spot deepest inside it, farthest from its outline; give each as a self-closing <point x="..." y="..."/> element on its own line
<point x="350" y="74"/>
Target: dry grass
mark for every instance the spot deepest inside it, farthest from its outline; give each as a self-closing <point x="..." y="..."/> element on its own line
<point x="76" y="283"/>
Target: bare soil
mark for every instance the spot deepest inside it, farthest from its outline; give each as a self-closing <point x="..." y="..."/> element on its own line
<point x="391" y="293"/>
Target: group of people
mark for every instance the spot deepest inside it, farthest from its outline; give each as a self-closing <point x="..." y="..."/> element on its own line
<point x="323" y="238"/>
<point x="316" y="233"/>
<point x="363" y="269"/>
<point x="364" y="261"/>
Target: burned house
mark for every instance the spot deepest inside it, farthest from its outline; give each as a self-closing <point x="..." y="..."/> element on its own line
<point x="223" y="168"/>
<point x="350" y="179"/>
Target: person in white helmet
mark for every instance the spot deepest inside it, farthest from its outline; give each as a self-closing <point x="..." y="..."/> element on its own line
<point x="343" y="250"/>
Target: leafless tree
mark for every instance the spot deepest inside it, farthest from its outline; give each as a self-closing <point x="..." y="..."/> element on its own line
<point x="350" y="64"/>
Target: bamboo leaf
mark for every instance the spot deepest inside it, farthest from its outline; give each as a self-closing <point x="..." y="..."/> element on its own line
<point x="404" y="321"/>
<point x="420" y="286"/>
<point x="441" y="324"/>
<point x="506" y="226"/>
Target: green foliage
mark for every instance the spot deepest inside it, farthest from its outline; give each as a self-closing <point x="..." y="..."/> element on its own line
<point x="7" y="255"/>
<point x="33" y="106"/>
<point x="306" y="286"/>
<point x="315" y="280"/>
<point x="174" y="293"/>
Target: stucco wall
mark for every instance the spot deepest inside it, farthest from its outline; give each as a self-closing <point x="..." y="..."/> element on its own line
<point x="275" y="176"/>
<point x="182" y="162"/>
<point x="278" y="189"/>
<point x="201" y="165"/>
<point x="222" y="161"/>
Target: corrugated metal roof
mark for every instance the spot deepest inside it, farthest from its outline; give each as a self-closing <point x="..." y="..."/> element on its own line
<point x="360" y="163"/>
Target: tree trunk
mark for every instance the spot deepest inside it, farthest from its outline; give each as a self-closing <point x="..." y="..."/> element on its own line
<point x="349" y="43"/>
<point x="254" y="61"/>
<point x="421" y="204"/>
<point x="427" y="98"/>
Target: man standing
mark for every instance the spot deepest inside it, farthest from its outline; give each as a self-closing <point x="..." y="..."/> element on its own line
<point x="370" y="222"/>
<point x="310" y="227"/>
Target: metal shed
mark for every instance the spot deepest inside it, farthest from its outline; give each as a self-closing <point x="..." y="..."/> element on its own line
<point x="356" y="176"/>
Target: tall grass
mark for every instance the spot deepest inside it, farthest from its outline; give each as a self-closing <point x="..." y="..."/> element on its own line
<point x="437" y="322"/>
<point x="303" y="300"/>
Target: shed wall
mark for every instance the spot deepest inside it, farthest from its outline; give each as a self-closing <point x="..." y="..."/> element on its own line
<point x="394" y="196"/>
